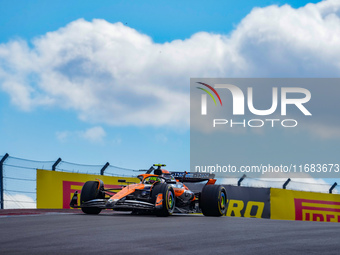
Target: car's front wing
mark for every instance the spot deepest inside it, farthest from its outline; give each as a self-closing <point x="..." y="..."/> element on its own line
<point x="122" y="204"/>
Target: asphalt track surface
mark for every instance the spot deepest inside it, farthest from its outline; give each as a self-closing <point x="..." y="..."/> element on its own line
<point x="123" y="233"/>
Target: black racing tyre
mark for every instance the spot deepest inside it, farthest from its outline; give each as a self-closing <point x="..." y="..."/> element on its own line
<point x="213" y="200"/>
<point x="89" y="192"/>
<point x="168" y="202"/>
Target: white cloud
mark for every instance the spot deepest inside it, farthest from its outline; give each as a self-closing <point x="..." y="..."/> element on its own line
<point x="94" y="135"/>
<point x="113" y="74"/>
<point x="63" y="135"/>
<point x="117" y="141"/>
<point x="161" y="138"/>
<point x="18" y="201"/>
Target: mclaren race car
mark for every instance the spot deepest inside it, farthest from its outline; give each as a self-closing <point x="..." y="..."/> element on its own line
<point x="159" y="192"/>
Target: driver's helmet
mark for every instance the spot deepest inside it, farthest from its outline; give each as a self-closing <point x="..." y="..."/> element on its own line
<point x="152" y="180"/>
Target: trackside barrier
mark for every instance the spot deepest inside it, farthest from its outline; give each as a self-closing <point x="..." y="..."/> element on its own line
<point x="304" y="206"/>
<point x="55" y="189"/>
<point x="248" y="202"/>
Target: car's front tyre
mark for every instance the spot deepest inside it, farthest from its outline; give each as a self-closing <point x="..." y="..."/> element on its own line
<point x="89" y="192"/>
<point x="168" y="199"/>
<point x="213" y="200"/>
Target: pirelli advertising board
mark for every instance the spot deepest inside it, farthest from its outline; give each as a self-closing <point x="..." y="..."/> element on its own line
<point x="55" y="189"/>
<point x="304" y="206"/>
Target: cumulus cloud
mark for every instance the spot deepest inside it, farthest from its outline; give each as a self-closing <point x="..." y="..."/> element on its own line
<point x="94" y="135"/>
<point x="113" y="74"/>
<point x="162" y="138"/>
<point x="63" y="135"/>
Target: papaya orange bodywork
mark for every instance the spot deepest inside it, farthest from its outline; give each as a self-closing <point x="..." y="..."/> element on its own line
<point x="159" y="199"/>
<point x="178" y="191"/>
<point x="128" y="190"/>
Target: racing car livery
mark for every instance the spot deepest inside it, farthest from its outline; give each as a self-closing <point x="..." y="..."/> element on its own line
<point x="160" y="192"/>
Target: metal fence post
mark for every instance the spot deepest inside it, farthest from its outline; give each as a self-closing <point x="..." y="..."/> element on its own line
<point x="333" y="186"/>
<point x="2" y="180"/>
<point x="55" y="164"/>
<point x="241" y="179"/>
<point x="104" y="167"/>
<point x="286" y="183"/>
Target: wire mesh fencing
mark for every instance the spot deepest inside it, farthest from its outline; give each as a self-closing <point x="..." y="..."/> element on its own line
<point x="19" y="178"/>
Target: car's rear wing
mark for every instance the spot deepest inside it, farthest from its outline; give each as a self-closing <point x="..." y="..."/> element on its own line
<point x="192" y="177"/>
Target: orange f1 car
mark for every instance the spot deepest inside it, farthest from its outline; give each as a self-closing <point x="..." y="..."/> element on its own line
<point x="160" y="192"/>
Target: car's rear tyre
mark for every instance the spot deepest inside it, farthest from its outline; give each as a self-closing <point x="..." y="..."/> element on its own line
<point x="168" y="201"/>
<point x="89" y="192"/>
<point x="213" y="200"/>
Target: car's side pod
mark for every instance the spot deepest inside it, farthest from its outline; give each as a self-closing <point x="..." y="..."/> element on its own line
<point x="211" y="182"/>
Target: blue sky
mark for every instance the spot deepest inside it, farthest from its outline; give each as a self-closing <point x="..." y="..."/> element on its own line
<point x="162" y="20"/>
<point x="49" y="123"/>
